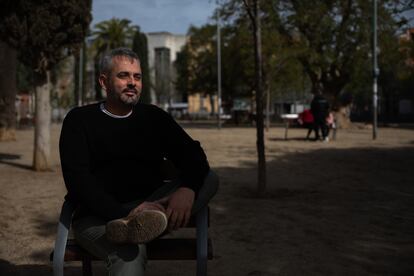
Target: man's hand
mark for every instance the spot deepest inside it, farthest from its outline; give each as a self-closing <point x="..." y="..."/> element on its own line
<point x="179" y="205"/>
<point x="146" y="205"/>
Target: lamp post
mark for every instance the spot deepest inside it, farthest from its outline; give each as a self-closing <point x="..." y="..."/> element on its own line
<point x="218" y="68"/>
<point x="80" y="93"/>
<point x="376" y="71"/>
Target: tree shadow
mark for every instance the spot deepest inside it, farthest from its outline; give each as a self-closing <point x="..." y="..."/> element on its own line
<point x="290" y="139"/>
<point x="326" y="212"/>
<point x="4" y="157"/>
<point x="8" y="156"/>
<point x="46" y="225"/>
<point x="45" y="228"/>
<point x="7" y="268"/>
<point x="401" y="126"/>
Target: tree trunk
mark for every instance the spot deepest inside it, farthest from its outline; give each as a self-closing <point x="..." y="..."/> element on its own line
<point x="98" y="88"/>
<point x="343" y="120"/>
<point x="267" y="109"/>
<point x="8" y="91"/>
<point x="41" y="158"/>
<point x="212" y="104"/>
<point x="261" y="185"/>
<point x="80" y="76"/>
<point x="77" y="80"/>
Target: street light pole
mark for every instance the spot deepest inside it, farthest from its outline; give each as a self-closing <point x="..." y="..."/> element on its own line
<point x="375" y="71"/>
<point x="80" y="93"/>
<point x="218" y="68"/>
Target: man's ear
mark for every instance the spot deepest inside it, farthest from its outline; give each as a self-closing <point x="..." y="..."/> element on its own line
<point x="103" y="81"/>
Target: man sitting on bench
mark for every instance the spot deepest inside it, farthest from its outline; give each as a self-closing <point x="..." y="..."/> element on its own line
<point x="111" y="153"/>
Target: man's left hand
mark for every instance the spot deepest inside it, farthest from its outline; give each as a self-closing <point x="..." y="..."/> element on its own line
<point x="178" y="206"/>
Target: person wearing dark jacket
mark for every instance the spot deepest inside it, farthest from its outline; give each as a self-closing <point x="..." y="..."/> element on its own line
<point x="111" y="156"/>
<point x="320" y="111"/>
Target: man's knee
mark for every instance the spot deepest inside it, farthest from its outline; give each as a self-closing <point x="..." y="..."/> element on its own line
<point x="206" y="192"/>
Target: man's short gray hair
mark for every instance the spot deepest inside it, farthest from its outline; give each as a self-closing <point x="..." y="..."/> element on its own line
<point x="105" y="64"/>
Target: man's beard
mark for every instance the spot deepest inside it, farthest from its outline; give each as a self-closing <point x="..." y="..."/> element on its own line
<point x="129" y="100"/>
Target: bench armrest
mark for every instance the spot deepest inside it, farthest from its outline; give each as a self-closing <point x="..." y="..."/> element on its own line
<point x="62" y="237"/>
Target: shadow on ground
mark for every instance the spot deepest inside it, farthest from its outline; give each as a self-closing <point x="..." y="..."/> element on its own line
<point x="5" y="159"/>
<point x="290" y="139"/>
<point x="325" y="212"/>
<point x="45" y="225"/>
<point x="45" y="228"/>
<point x="9" y="269"/>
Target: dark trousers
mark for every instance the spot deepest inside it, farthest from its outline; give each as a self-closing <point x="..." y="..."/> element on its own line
<point x="320" y="123"/>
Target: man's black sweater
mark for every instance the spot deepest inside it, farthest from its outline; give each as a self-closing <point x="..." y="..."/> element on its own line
<point x="108" y="161"/>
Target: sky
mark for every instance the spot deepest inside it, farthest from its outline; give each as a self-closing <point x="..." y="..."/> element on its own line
<point x="174" y="16"/>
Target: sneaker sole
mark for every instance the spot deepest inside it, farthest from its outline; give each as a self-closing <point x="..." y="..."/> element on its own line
<point x="144" y="227"/>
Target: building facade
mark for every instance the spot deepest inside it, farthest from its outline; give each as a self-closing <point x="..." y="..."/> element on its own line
<point x="162" y="53"/>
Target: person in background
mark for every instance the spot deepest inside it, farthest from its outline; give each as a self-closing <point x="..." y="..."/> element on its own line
<point x="330" y="122"/>
<point x="306" y="120"/>
<point x="320" y="111"/>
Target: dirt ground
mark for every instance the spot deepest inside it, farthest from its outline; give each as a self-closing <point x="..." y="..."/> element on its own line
<point x="340" y="208"/>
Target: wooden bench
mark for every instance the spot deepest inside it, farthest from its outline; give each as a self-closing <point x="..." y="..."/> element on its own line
<point x="199" y="248"/>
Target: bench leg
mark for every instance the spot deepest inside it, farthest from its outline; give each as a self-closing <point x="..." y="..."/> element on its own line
<point x="86" y="266"/>
<point x="202" y="241"/>
<point x="286" y="129"/>
<point x="59" y="251"/>
<point x="61" y="238"/>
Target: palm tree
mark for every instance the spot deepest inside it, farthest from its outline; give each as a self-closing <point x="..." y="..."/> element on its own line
<point x="113" y="33"/>
<point x="110" y="34"/>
